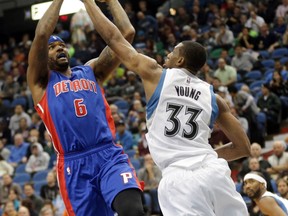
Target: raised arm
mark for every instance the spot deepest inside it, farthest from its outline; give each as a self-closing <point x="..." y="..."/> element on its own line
<point x="107" y="62"/>
<point x="240" y="144"/>
<point x="146" y="67"/>
<point x="37" y="72"/>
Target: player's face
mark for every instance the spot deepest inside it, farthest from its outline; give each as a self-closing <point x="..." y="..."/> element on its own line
<point x="172" y="57"/>
<point x="252" y="188"/>
<point x="58" y="56"/>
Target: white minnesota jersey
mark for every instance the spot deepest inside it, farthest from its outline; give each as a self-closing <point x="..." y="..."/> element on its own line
<point x="283" y="203"/>
<point x="180" y="116"/>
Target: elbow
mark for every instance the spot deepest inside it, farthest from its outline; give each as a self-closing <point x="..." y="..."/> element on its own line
<point x="129" y="34"/>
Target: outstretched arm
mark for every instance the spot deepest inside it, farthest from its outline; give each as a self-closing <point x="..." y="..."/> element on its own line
<point x="146" y="67"/>
<point x="37" y="72"/>
<point x="240" y="144"/>
<point x="107" y="62"/>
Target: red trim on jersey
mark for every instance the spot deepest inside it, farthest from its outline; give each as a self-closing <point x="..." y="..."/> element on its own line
<point x="109" y="117"/>
<point x="63" y="189"/>
<point x="47" y="119"/>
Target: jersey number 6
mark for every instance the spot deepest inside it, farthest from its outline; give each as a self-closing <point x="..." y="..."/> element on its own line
<point x="80" y="108"/>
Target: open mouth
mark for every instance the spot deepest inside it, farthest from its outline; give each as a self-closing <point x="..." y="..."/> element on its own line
<point x="61" y="55"/>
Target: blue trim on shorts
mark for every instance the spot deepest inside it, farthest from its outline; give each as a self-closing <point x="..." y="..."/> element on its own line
<point x="215" y="110"/>
<point x="154" y="100"/>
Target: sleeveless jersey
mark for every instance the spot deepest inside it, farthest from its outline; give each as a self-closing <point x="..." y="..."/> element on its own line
<point x="180" y="116"/>
<point x="283" y="203"/>
<point x="75" y="112"/>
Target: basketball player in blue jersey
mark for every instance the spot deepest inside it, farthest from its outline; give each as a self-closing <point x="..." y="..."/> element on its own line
<point x="181" y="111"/>
<point x="270" y="204"/>
<point x="94" y="175"/>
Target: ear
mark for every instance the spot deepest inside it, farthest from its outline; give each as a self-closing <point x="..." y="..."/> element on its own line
<point x="180" y="62"/>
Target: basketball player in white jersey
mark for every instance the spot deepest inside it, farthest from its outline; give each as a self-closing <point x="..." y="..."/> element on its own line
<point x="181" y="111"/>
<point x="269" y="203"/>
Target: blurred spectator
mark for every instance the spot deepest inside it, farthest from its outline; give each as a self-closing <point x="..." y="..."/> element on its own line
<point x="9" y="209"/>
<point x="242" y="61"/>
<point x="6" y="186"/>
<point x="15" y="119"/>
<point x="46" y="211"/>
<point x="95" y="44"/>
<point x="123" y="136"/>
<point x="245" y="40"/>
<point x="285" y="38"/>
<point x="163" y="22"/>
<point x="38" y="124"/>
<point x="266" y="9"/>
<point x="143" y="147"/>
<point x="255" y="22"/>
<point x="7" y="62"/>
<point x="132" y="85"/>
<point x="282" y="186"/>
<point x="143" y="7"/>
<point x="37" y="201"/>
<point x="4" y="152"/>
<point x="216" y="84"/>
<point x="147" y="24"/>
<point x="38" y="161"/>
<point x="80" y="24"/>
<point x="278" y="85"/>
<point x="182" y="18"/>
<point x="280" y="26"/>
<point x="255" y="153"/>
<point x="130" y="12"/>
<point x="197" y="15"/>
<point x="267" y="40"/>
<point x="62" y="33"/>
<point x="151" y="175"/>
<point x="270" y="104"/>
<point x="254" y="165"/>
<point x="9" y="88"/>
<point x="5" y="110"/>
<point x="26" y="208"/>
<point x="243" y="121"/>
<point x="225" y="55"/>
<point x="225" y="37"/>
<point x="48" y="205"/>
<point x="19" y="150"/>
<point x="50" y="190"/>
<point x="206" y="73"/>
<point x="278" y="160"/>
<point x="225" y="73"/>
<point x="15" y="197"/>
<point x="246" y="107"/>
<point x="23" y="128"/>
<point x="48" y="145"/>
<point x="282" y="9"/>
<point x="223" y="92"/>
<point x="5" y="167"/>
<point x="233" y="21"/>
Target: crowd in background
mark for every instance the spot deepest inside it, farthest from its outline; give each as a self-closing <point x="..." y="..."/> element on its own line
<point x="241" y="38"/>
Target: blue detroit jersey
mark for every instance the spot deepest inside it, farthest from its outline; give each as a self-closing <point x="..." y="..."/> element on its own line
<point x="73" y="105"/>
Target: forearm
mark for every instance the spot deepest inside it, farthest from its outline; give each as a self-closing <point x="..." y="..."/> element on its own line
<point x="280" y="168"/>
<point x="102" y="24"/>
<point x="47" y="23"/>
<point x="229" y="152"/>
<point x="121" y="19"/>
